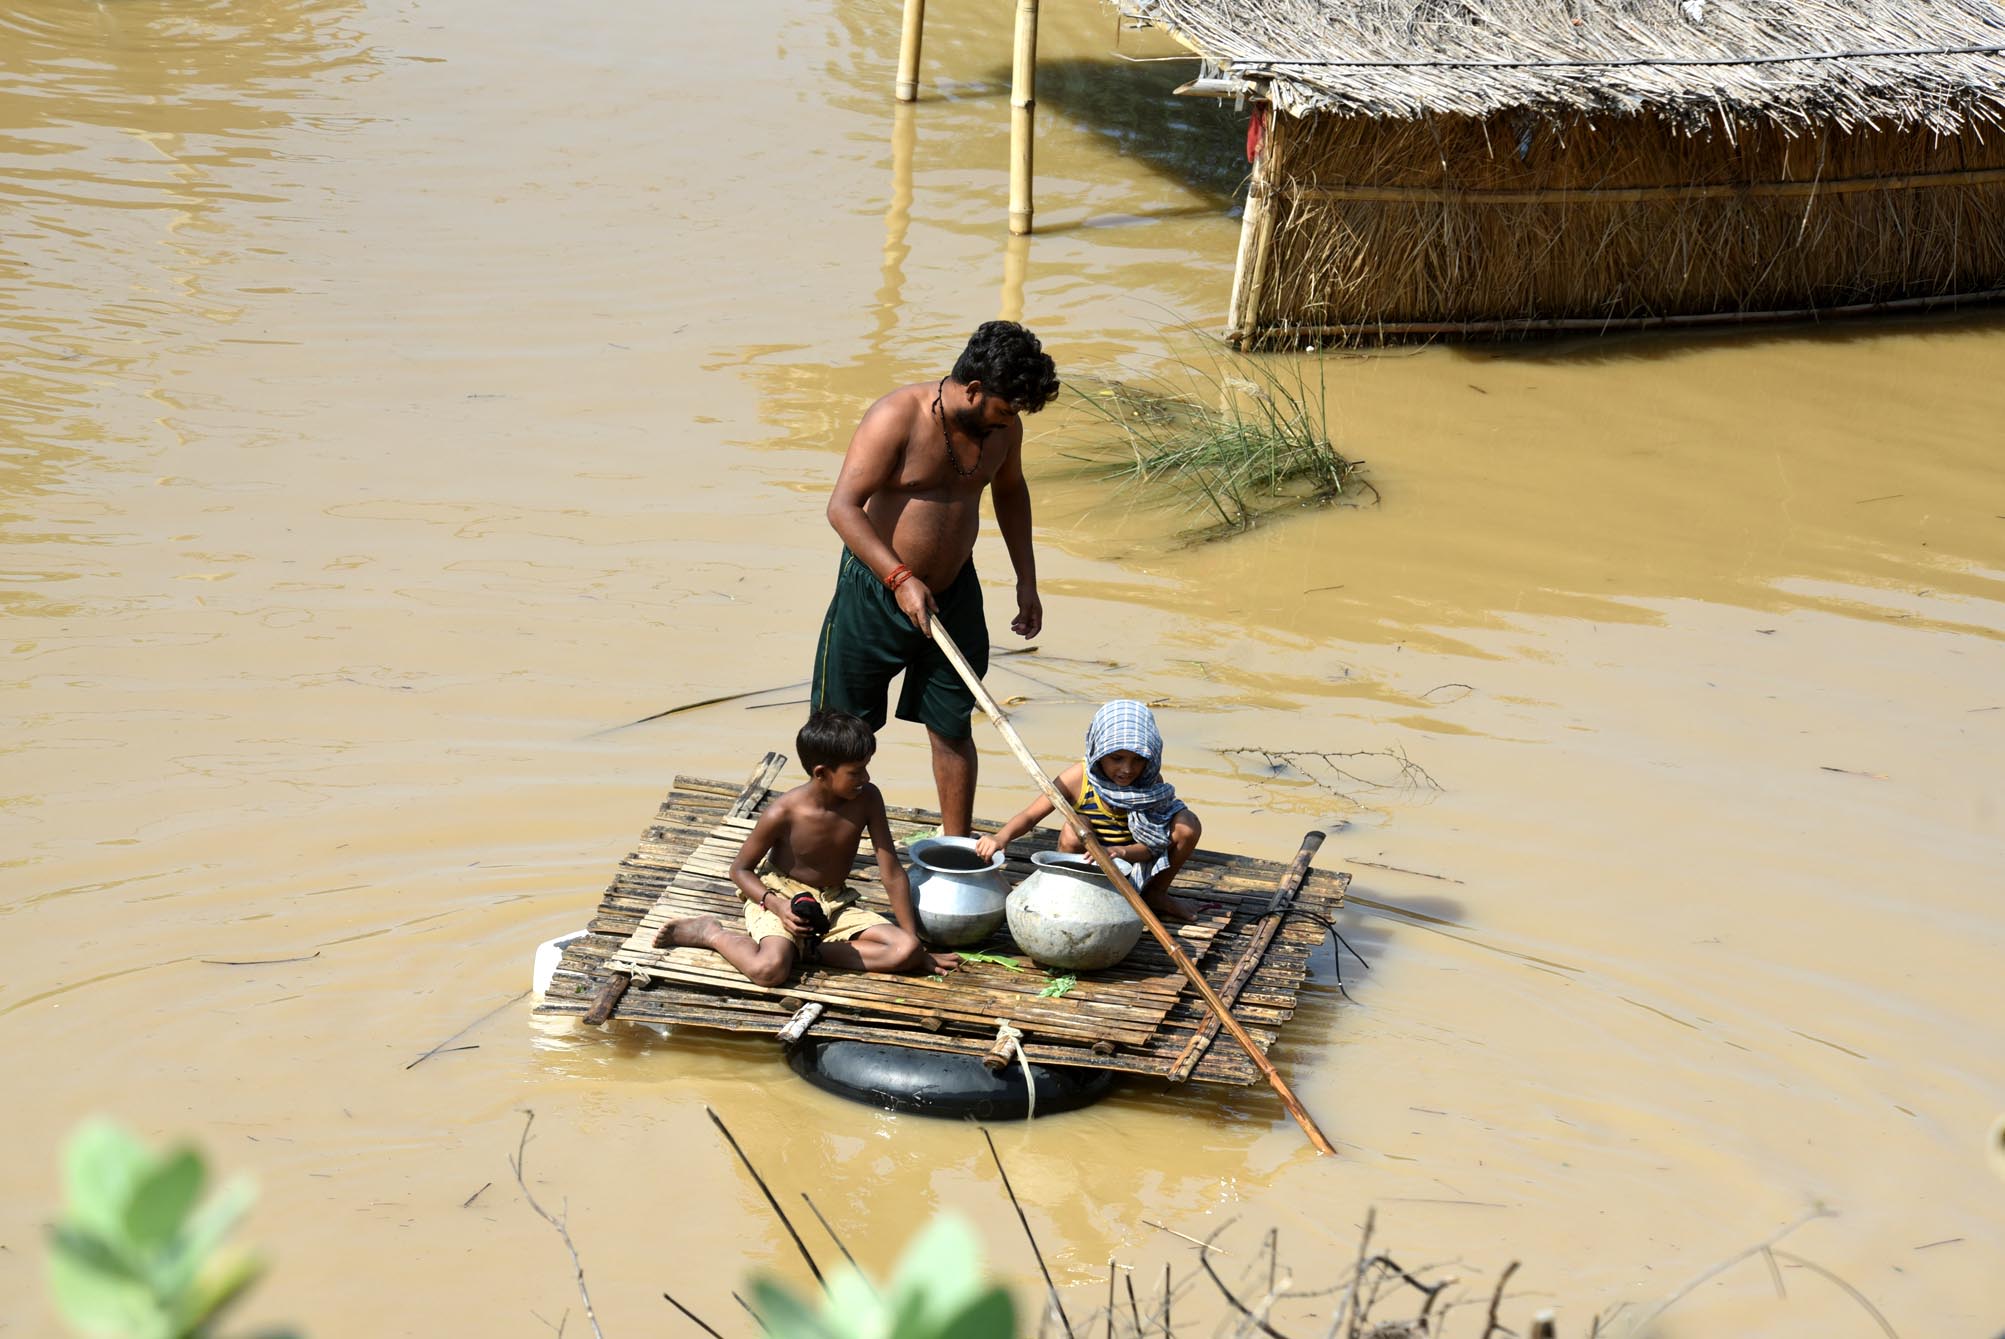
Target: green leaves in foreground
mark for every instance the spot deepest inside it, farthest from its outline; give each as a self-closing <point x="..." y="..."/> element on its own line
<point x="137" y="1255"/>
<point x="937" y="1293"/>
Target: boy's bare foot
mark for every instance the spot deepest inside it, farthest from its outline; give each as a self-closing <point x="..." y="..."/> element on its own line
<point x="1173" y="910"/>
<point x="939" y="964"/>
<point x="689" y="932"/>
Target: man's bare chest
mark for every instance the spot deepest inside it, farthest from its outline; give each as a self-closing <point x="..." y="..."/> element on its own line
<point x="928" y="469"/>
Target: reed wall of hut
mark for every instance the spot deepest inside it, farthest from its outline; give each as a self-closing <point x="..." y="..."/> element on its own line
<point x="1440" y="167"/>
<point x="1360" y="228"/>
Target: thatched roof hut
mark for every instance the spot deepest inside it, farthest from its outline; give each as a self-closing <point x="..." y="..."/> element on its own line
<point x="1484" y="167"/>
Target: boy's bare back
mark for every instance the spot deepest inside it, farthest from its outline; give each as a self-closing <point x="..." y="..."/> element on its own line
<point x="817" y="843"/>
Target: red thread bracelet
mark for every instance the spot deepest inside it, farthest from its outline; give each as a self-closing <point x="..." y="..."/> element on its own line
<point x="897" y="577"/>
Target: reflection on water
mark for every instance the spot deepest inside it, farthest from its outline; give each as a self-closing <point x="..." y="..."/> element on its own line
<point x="897" y="223"/>
<point x="139" y="143"/>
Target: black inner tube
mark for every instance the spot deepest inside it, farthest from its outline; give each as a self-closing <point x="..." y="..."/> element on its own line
<point x="941" y="1083"/>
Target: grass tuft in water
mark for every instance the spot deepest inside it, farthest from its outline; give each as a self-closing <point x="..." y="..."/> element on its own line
<point x="1237" y="441"/>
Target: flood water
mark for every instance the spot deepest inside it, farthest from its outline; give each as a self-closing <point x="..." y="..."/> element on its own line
<point x="396" y="397"/>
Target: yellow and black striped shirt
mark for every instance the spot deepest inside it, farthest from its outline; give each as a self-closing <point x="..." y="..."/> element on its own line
<point x="1109" y="825"/>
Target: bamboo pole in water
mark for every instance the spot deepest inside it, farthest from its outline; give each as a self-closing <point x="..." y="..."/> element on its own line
<point x="1022" y="116"/>
<point x="1121" y="884"/>
<point x="1239" y="317"/>
<point x="1256" y="240"/>
<point x="909" y="37"/>
<point x="908" y="50"/>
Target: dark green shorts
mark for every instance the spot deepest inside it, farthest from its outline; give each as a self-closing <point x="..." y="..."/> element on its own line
<point x="866" y="641"/>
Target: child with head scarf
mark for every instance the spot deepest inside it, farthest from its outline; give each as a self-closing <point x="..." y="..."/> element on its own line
<point x="1118" y="788"/>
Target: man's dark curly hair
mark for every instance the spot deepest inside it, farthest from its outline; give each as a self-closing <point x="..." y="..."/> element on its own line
<point x="1008" y="361"/>
<point x="832" y="738"/>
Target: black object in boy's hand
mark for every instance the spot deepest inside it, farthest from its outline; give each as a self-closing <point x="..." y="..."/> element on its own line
<point x="808" y="910"/>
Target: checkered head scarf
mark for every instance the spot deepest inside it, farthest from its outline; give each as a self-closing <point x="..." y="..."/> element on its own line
<point x="1151" y="802"/>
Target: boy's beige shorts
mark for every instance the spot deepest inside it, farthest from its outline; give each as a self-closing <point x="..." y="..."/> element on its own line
<point x="846" y="920"/>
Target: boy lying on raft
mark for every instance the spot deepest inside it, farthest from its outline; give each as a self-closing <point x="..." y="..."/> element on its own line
<point x="797" y="903"/>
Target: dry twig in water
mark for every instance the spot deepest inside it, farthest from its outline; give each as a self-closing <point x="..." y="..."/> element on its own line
<point x="1049" y="1287"/>
<point x="258" y="962"/>
<point x="691" y="1316"/>
<point x="1408" y="775"/>
<point x="1497" y="1296"/>
<point x="1204" y="1258"/>
<point x="1761" y="1247"/>
<point x="1850" y="1291"/>
<point x="1344" y="1323"/>
<point x="837" y="1240"/>
<point x="1174" y="1233"/>
<point x="760" y="1181"/>
<point x="757" y="1319"/>
<point x="448" y="1042"/>
<point x="554" y="1220"/>
<point x="1400" y="869"/>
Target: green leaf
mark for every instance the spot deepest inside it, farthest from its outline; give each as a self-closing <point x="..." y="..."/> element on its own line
<point x="203" y="1233"/>
<point x="990" y="1316"/>
<point x="968" y="955"/>
<point x="787" y="1316"/>
<point x="852" y="1306"/>
<point x="160" y="1202"/>
<point x="1057" y="986"/>
<point x="910" y="1317"/>
<point x="943" y="1268"/>
<point x="222" y="1279"/>
<point x="95" y="1290"/>
<point x="101" y="1166"/>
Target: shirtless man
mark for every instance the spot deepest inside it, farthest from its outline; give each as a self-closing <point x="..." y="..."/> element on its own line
<point x="907" y="505"/>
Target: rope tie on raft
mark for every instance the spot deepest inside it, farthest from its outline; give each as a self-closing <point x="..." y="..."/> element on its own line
<point x="1012" y="1037"/>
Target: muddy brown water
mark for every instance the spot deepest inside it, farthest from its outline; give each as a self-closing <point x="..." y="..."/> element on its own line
<point x="398" y="397"/>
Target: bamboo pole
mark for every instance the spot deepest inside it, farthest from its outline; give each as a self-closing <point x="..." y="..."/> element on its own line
<point x="1022" y="114"/>
<point x="1239" y="318"/>
<point x="908" y="50"/>
<point x="1107" y="866"/>
<point x="1262" y="191"/>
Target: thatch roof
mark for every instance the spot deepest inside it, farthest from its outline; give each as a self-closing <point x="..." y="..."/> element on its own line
<point x="1888" y="63"/>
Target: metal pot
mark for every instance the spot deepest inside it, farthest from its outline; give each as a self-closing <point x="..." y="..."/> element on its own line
<point x="958" y="896"/>
<point x="1067" y="914"/>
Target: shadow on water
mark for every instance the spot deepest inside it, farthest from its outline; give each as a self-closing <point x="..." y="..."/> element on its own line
<point x="1663" y="345"/>
<point x="1313" y="1038"/>
<point x="1199" y="143"/>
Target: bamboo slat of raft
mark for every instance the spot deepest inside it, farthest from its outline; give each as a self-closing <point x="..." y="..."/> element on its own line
<point x="693" y="816"/>
<point x="1121" y="1006"/>
<point x="979" y="993"/>
<point x="941" y="997"/>
<point x="1222" y="1065"/>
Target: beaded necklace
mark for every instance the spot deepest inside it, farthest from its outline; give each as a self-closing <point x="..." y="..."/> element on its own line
<point x="947" y="434"/>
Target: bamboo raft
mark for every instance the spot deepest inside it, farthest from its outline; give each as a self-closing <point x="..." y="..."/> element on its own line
<point x="1252" y="945"/>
